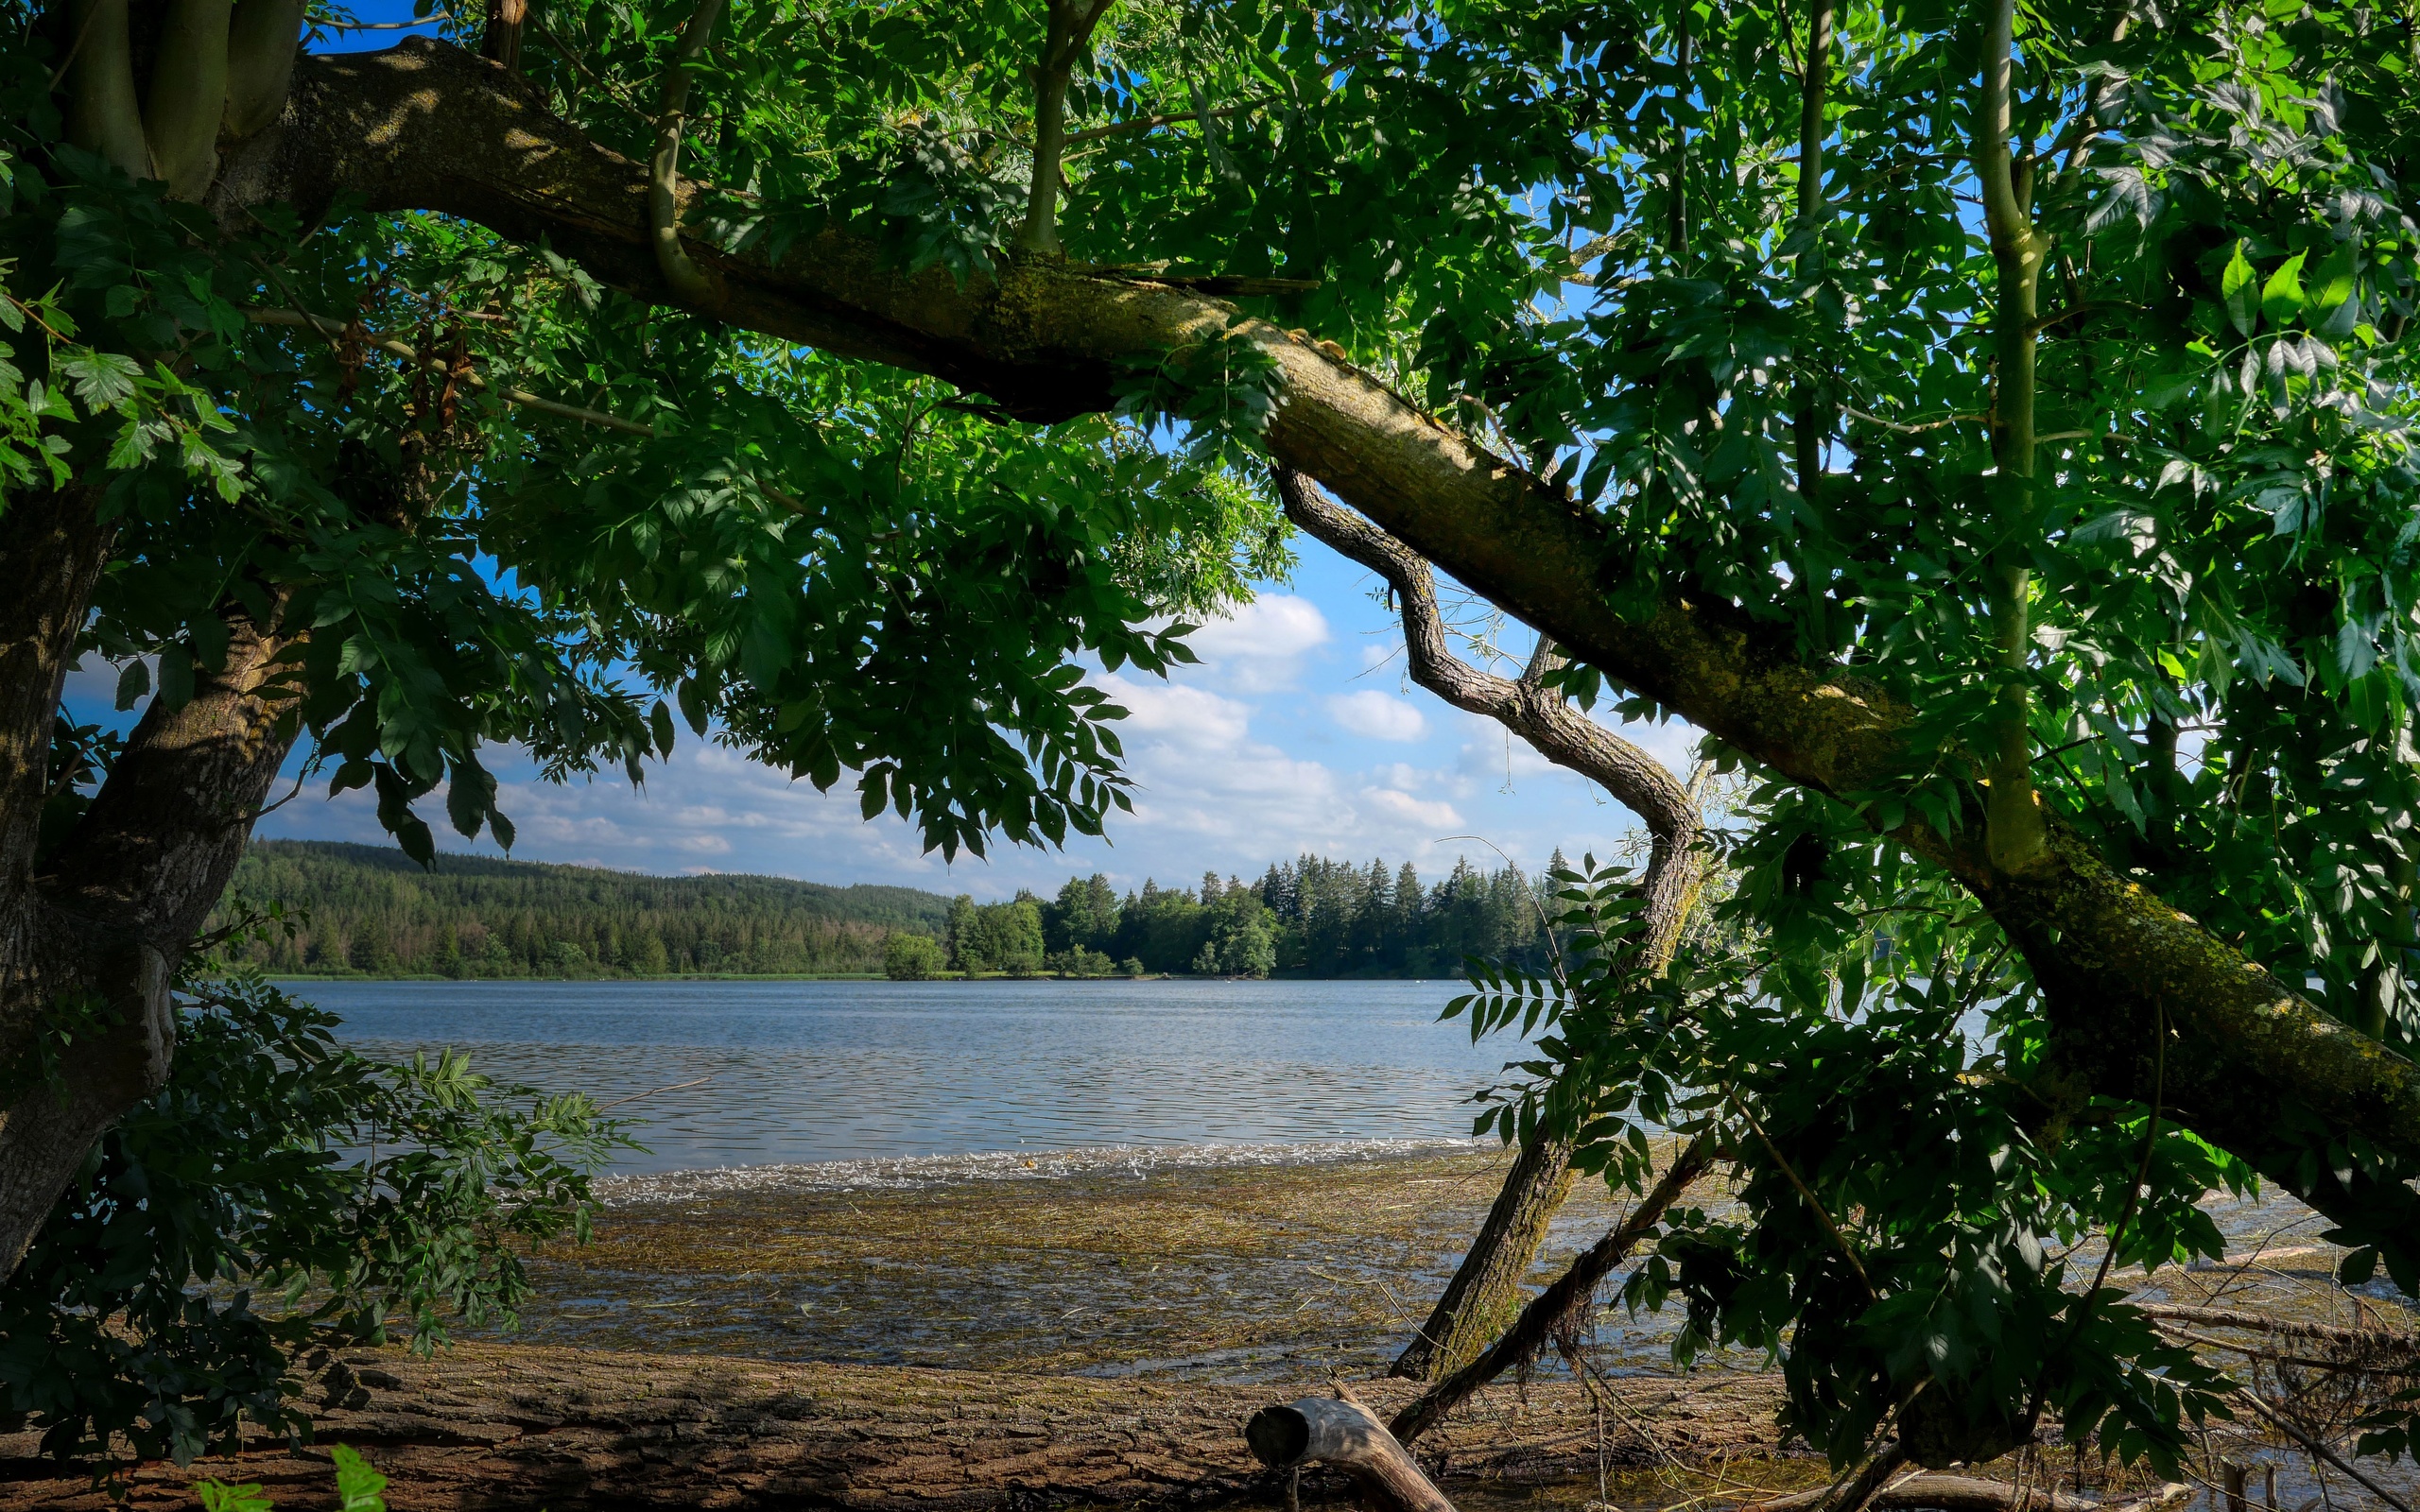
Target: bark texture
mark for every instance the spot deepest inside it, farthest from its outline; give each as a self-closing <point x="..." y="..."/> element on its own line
<point x="89" y="946"/>
<point x="429" y="126"/>
<point x="503" y="1426"/>
<point x="1343" y="1433"/>
<point x="1485" y="1294"/>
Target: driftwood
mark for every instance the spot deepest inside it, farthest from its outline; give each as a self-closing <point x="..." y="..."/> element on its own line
<point x="2224" y="1317"/>
<point x="1331" y="1431"/>
<point x="503" y="1426"/>
<point x="1966" y="1493"/>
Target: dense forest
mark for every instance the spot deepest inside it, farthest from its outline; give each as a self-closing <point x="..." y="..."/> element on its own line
<point x="1313" y="917"/>
<point x="371" y="910"/>
<point x="351" y="909"/>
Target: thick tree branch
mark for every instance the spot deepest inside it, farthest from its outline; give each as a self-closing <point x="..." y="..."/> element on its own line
<point x="154" y="853"/>
<point x="1562" y="1303"/>
<point x="427" y="127"/>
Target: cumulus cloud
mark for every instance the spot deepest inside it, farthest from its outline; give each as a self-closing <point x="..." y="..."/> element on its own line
<point x="1377" y="715"/>
<point x="1259" y="648"/>
<point x="1224" y="776"/>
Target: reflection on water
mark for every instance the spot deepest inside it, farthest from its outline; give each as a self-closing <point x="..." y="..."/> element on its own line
<point x="832" y="1070"/>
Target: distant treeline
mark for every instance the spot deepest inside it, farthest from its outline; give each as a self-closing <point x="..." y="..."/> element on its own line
<point x="372" y="910"/>
<point x="353" y="909"/>
<point x="1311" y="917"/>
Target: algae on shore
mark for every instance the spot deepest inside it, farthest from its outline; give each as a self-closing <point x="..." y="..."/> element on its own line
<point x="1240" y="1272"/>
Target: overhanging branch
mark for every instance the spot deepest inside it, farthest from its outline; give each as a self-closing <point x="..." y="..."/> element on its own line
<point x="427" y="127"/>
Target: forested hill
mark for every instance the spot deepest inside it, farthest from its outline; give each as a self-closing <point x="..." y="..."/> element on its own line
<point x="373" y="910"/>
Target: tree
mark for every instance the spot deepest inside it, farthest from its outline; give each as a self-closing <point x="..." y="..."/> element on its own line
<point x="966" y="942"/>
<point x="2049" y="581"/>
<point x="909" y="957"/>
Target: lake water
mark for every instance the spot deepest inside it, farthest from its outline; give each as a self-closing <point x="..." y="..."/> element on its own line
<point x="800" y="1071"/>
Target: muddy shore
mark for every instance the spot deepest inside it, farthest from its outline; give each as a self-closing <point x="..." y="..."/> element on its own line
<point x="1020" y="1332"/>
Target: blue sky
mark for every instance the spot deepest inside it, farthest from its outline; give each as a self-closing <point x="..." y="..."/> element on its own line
<point x="1298" y="731"/>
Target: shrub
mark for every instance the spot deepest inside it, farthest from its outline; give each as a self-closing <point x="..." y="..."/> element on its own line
<point x="907" y="957"/>
<point x="278" y="1192"/>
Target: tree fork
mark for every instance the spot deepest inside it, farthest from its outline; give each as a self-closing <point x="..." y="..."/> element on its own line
<point x="1560" y="1304"/>
<point x="1067" y="33"/>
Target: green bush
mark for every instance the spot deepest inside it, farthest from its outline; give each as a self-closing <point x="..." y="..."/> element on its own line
<point x="907" y="957"/>
<point x="280" y="1191"/>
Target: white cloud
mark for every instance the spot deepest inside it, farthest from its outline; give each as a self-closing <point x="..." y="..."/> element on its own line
<point x="1377" y="715"/>
<point x="1260" y="648"/>
<point x="1439" y="817"/>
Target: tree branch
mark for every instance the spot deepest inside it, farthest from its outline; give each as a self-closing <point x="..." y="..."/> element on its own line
<point x="2013" y="810"/>
<point x="1559" y="1304"/>
<point x="688" y="282"/>
<point x="1068" y="33"/>
<point x="427" y="127"/>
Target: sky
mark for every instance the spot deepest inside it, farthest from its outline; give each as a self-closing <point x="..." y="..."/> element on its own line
<point x="1299" y="731"/>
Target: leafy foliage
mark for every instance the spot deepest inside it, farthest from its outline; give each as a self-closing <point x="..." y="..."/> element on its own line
<point x="278" y="1192"/>
<point x="1906" y="1244"/>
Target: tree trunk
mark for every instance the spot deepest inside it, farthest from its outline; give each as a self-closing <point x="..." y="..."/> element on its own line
<point x="1555" y="1308"/>
<point x="89" y="947"/>
<point x="1485" y="1293"/>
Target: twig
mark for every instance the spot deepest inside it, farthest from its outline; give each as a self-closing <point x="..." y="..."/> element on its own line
<point x="1822" y="1216"/>
<point x="2319" y="1447"/>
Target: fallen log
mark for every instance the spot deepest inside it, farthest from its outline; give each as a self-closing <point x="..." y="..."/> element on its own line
<point x="1333" y="1431"/>
<point x="1968" y="1493"/>
<point x="497" y="1426"/>
<point x="2223" y="1318"/>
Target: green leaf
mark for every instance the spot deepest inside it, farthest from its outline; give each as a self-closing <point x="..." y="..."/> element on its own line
<point x="133" y="681"/>
<point x="2281" y="298"/>
<point x="103" y="380"/>
<point x="358" y="1484"/>
<point x="2235" y="286"/>
<point x="216" y="1496"/>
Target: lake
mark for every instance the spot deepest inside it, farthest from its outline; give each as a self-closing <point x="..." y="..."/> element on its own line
<point x="807" y="1071"/>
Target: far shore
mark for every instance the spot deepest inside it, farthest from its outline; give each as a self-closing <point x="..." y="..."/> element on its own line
<point x="826" y="976"/>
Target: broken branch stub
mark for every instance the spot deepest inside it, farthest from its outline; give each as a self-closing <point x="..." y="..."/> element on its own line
<point x="1317" y="1431"/>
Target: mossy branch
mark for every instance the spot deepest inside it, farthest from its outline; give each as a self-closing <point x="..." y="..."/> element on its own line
<point x="691" y="285"/>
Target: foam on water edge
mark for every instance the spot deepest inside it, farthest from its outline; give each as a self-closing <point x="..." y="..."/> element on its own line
<point x="907" y="1172"/>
